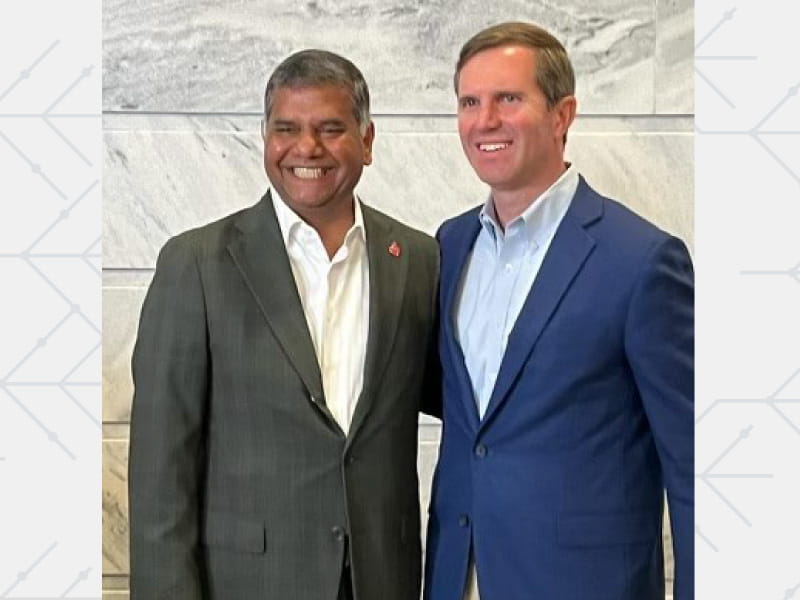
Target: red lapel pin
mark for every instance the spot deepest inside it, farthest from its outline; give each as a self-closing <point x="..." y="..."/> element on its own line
<point x="394" y="249"/>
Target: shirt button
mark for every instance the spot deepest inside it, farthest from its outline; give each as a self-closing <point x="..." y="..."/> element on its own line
<point x="481" y="450"/>
<point x="338" y="533"/>
<point x="463" y="520"/>
<point x="509" y="267"/>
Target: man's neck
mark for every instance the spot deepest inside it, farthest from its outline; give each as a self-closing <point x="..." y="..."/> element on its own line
<point x="332" y="224"/>
<point x="509" y="204"/>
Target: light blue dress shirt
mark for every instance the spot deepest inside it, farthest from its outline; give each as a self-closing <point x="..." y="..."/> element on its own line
<point x="498" y="276"/>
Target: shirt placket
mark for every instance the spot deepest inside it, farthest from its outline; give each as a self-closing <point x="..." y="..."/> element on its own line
<point x="333" y="352"/>
<point x="505" y="275"/>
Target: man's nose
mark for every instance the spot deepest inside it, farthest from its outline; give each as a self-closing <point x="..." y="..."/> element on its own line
<point x="488" y="116"/>
<point x="308" y="144"/>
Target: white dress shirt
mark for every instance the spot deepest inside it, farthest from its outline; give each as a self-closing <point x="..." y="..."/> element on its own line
<point x="335" y="297"/>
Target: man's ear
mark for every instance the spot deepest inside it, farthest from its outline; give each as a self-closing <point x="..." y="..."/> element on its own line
<point x="564" y="114"/>
<point x="369" y="137"/>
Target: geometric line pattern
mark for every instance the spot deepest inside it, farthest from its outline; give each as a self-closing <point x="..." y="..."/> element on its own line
<point x="793" y="272"/>
<point x="748" y="178"/>
<point x="759" y="135"/>
<point x="708" y="477"/>
<point x="770" y="401"/>
<point x="23" y="575"/>
<point x="50" y="258"/>
<point x="29" y="257"/>
<point x="757" y="132"/>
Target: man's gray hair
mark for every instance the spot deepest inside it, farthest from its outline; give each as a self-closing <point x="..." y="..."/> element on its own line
<point x="313" y="68"/>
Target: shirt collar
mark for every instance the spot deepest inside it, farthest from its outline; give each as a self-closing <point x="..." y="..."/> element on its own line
<point x="291" y="223"/>
<point x="542" y="213"/>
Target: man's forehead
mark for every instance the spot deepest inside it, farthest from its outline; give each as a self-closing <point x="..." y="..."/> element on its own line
<point x="325" y="98"/>
<point x="502" y="68"/>
<point x="332" y="89"/>
<point x="507" y="53"/>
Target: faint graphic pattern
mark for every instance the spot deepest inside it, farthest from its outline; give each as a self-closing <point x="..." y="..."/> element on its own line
<point x="717" y="413"/>
<point x="32" y="375"/>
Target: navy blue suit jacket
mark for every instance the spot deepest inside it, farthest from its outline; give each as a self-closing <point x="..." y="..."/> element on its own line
<point x="559" y="489"/>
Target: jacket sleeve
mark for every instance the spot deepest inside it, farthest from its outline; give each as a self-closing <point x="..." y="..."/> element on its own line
<point x="659" y="343"/>
<point x="167" y="455"/>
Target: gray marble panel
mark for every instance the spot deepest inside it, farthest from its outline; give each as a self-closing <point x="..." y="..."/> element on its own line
<point x="653" y="174"/>
<point x="123" y="294"/>
<point x="674" y="93"/>
<point x="115" y="507"/>
<point x="229" y="123"/>
<point x="206" y="56"/>
<point x="158" y="183"/>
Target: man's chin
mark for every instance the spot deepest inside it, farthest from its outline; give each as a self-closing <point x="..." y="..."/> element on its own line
<point x="490" y="174"/>
<point x="492" y="179"/>
<point x="310" y="204"/>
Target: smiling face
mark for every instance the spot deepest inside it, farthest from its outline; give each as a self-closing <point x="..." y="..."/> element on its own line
<point x="314" y="151"/>
<point x="510" y="136"/>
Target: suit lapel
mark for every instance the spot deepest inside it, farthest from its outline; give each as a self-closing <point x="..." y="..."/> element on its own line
<point x="387" y="284"/>
<point x="260" y="255"/>
<point x="566" y="256"/>
<point x="452" y="274"/>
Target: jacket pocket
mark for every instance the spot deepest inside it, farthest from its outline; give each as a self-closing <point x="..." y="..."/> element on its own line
<point x="223" y="530"/>
<point x="604" y="529"/>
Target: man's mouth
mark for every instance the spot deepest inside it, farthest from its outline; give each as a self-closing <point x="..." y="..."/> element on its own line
<point x="493" y="146"/>
<point x="309" y="172"/>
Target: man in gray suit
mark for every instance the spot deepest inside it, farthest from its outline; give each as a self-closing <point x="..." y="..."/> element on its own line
<point x="279" y="369"/>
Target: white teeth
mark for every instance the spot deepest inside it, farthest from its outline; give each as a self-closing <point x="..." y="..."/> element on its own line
<point x="308" y="173"/>
<point x="492" y="147"/>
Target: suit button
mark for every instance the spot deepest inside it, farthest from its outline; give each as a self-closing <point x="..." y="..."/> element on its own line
<point x="463" y="520"/>
<point x="481" y="450"/>
<point x="350" y="459"/>
<point x="338" y="533"/>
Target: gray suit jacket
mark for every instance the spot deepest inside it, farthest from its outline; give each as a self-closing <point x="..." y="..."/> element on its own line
<point x="242" y="485"/>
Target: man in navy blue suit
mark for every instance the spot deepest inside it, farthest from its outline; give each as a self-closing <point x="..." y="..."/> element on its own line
<point x="566" y="344"/>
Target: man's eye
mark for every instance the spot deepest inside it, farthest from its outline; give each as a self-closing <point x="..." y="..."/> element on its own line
<point x="332" y="129"/>
<point x="282" y="128"/>
<point x="468" y="102"/>
<point x="509" y="97"/>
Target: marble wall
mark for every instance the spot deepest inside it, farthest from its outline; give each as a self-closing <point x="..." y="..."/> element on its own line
<point x="182" y="92"/>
